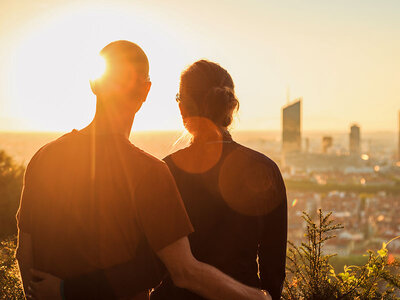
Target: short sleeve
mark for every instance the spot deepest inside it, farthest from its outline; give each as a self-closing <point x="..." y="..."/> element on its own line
<point x="160" y="209"/>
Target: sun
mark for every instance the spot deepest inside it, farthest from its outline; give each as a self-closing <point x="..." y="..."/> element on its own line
<point x="57" y="58"/>
<point x="96" y="67"/>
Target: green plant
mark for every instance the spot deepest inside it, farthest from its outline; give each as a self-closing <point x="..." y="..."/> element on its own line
<point x="10" y="283"/>
<point x="311" y="276"/>
<point x="378" y="278"/>
<point x="11" y="175"/>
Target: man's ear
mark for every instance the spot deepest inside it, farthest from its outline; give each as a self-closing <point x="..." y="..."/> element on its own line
<point x="146" y="90"/>
<point x="182" y="109"/>
<point x="93" y="86"/>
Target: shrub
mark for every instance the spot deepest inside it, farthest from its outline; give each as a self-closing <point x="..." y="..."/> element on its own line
<point x="10" y="283"/>
<point x="310" y="275"/>
<point x="11" y="176"/>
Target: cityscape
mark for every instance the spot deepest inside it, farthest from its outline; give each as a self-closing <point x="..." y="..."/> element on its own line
<point x="360" y="186"/>
<point x="311" y="86"/>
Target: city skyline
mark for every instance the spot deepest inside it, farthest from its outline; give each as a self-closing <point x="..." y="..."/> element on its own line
<point x="291" y="126"/>
<point x="340" y="56"/>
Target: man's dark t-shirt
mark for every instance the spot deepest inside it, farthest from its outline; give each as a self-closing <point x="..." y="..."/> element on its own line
<point x="96" y="201"/>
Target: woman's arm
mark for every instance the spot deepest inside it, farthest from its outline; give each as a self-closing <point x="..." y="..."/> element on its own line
<point x="273" y="241"/>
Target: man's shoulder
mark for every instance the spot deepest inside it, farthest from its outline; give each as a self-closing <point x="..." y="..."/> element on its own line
<point x="145" y="160"/>
<point x="49" y="148"/>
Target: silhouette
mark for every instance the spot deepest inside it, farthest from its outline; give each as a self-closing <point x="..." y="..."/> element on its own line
<point x="92" y="200"/>
<point x="235" y="196"/>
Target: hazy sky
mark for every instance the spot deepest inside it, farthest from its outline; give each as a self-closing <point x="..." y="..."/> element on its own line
<point x="342" y="57"/>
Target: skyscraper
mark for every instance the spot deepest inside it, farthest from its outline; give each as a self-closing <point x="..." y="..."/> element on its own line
<point x="355" y="140"/>
<point x="291" y="127"/>
<point x="327" y="142"/>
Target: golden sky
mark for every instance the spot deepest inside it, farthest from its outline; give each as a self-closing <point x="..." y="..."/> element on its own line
<point x="342" y="57"/>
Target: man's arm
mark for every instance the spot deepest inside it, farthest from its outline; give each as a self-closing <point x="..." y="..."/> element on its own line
<point x="186" y="272"/>
<point x="25" y="258"/>
<point x="24" y="253"/>
<point x="202" y="279"/>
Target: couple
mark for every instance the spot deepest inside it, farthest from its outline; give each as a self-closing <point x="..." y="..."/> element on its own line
<point x="101" y="219"/>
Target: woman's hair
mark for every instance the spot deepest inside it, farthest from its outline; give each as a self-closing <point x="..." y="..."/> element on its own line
<point x="207" y="91"/>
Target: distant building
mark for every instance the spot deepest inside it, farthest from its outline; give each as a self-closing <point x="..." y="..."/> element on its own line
<point x="327" y="142"/>
<point x="307" y="145"/>
<point x="291" y="127"/>
<point x="355" y="140"/>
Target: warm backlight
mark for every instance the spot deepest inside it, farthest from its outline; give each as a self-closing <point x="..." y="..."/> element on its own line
<point x="96" y="67"/>
<point x="56" y="59"/>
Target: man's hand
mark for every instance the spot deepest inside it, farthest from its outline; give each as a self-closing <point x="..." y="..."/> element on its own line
<point x="44" y="286"/>
<point x="267" y="294"/>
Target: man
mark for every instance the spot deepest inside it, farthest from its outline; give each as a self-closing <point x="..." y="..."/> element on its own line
<point x="92" y="200"/>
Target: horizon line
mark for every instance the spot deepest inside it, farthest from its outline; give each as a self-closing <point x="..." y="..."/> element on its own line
<point x="327" y="131"/>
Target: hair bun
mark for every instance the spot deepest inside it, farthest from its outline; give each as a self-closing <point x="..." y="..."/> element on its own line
<point x="219" y="104"/>
<point x="210" y="93"/>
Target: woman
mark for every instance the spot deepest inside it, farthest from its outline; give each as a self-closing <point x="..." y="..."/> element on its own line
<point x="235" y="196"/>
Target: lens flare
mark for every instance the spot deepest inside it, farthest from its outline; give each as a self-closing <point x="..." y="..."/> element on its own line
<point x="248" y="186"/>
<point x="365" y="157"/>
<point x="97" y="67"/>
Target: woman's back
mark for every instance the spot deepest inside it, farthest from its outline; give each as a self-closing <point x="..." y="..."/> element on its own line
<point x="236" y="200"/>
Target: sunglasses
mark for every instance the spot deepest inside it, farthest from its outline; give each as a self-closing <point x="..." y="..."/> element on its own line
<point x="178" y="97"/>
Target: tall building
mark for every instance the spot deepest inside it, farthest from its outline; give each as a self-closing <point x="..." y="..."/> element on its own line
<point x="327" y="142"/>
<point x="355" y="140"/>
<point x="291" y="127"/>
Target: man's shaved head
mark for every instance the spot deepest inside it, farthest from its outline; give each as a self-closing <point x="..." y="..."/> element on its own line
<point x="126" y="52"/>
<point x="127" y="69"/>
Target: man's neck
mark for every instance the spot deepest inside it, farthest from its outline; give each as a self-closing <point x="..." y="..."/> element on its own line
<point x="107" y="122"/>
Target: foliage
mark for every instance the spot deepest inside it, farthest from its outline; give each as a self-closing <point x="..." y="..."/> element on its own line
<point x="338" y="262"/>
<point x="10" y="284"/>
<point x="311" y="276"/>
<point x="11" y="175"/>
